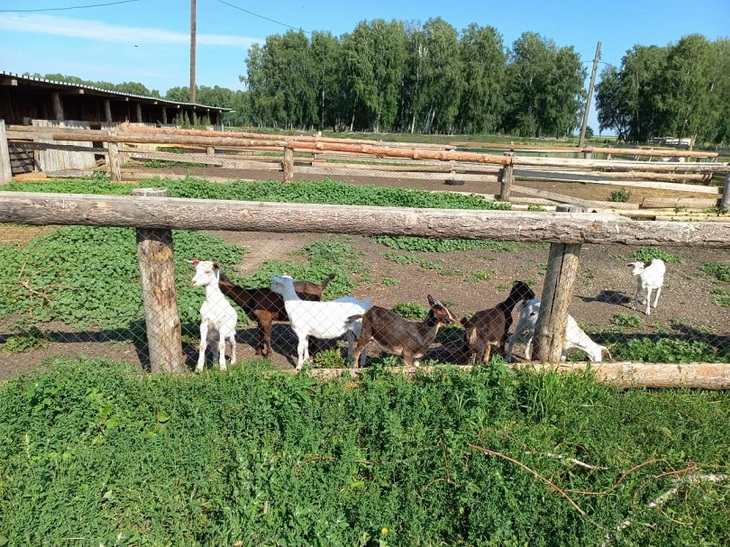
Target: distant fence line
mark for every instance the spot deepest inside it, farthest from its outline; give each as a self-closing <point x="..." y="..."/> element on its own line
<point x="331" y="157"/>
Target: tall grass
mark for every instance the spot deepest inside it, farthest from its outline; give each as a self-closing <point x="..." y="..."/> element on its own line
<point x="93" y="453"/>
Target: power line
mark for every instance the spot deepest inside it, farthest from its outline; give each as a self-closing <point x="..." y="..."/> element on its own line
<point x="262" y="16"/>
<point x="67" y="8"/>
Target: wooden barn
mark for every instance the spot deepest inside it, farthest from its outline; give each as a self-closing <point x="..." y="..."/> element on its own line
<point x="23" y="99"/>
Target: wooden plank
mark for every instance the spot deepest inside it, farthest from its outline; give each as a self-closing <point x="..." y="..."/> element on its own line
<point x="692" y="203"/>
<point x="559" y="198"/>
<point x="196" y="214"/>
<point x="673" y="187"/>
<point x="6" y="172"/>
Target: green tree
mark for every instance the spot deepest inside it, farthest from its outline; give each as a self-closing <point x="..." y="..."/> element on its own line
<point x="441" y="77"/>
<point x="325" y="50"/>
<point x="544" y="88"/>
<point x="687" y="84"/>
<point x="483" y="61"/>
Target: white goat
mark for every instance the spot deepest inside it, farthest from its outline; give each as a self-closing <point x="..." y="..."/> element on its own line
<point x="575" y="337"/>
<point x="649" y="276"/>
<point x="327" y="320"/>
<point x="217" y="317"/>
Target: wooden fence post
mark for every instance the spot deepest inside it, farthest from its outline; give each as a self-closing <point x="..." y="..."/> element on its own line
<point x="6" y="172"/>
<point x="725" y="201"/>
<point x="288" y="164"/>
<point x="157" y="270"/>
<point x="115" y="166"/>
<point x="557" y="292"/>
<point x="506" y="177"/>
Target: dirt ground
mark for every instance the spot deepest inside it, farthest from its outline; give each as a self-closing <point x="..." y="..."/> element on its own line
<point x="604" y="286"/>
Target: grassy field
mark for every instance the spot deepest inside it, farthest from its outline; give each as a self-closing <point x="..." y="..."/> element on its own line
<point x="93" y="452"/>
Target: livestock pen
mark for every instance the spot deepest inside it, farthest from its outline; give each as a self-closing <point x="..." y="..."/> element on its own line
<point x="552" y="249"/>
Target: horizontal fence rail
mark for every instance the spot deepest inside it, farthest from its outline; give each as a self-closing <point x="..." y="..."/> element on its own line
<point x="196" y="214"/>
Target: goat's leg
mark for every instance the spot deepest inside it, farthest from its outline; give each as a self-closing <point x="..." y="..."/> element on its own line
<point x="528" y="349"/>
<point x="264" y="340"/>
<point x="202" y="347"/>
<point x="636" y="297"/>
<point x="233" y="348"/>
<point x="656" y="297"/>
<point x="302" y="351"/>
<point x="648" y="301"/>
<point x="487" y="354"/>
<point x="222" y="351"/>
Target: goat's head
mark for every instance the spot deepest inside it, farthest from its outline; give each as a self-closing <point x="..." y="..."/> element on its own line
<point x="605" y="354"/>
<point x="637" y="267"/>
<point x="440" y="311"/>
<point x="521" y="291"/>
<point x="206" y="272"/>
<point x="280" y="283"/>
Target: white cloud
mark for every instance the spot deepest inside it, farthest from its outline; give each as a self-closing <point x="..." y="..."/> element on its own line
<point x="98" y="31"/>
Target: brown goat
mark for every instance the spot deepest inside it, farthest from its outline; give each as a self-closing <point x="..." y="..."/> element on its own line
<point x="488" y="328"/>
<point x="265" y="306"/>
<point x="398" y="336"/>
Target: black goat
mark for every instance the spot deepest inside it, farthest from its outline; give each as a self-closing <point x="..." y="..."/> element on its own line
<point x="488" y="328"/>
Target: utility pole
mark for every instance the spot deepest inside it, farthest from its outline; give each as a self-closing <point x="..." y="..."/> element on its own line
<point x="191" y="91"/>
<point x="582" y="140"/>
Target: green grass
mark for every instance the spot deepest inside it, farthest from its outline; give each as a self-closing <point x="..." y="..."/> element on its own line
<point x="93" y="453"/>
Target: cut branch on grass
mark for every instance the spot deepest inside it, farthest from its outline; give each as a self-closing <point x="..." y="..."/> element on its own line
<point x="662" y="498"/>
<point x="565" y="458"/>
<point x="533" y="472"/>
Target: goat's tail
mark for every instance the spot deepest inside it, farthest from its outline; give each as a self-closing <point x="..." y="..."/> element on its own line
<point x="326" y="282"/>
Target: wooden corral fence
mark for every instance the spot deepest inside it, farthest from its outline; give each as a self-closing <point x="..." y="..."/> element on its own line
<point x="154" y="216"/>
<point x="330" y="157"/>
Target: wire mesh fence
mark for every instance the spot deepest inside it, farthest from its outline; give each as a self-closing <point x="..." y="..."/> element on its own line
<point x="79" y="291"/>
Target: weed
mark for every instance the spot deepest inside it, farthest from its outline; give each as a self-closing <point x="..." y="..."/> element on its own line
<point x="624" y="320"/>
<point x="481" y="275"/>
<point x="26" y="340"/>
<point x="646" y="254"/>
<point x="411" y="311"/>
<point x="721" y="272"/>
<point x="620" y="196"/>
<point x="424" y="244"/>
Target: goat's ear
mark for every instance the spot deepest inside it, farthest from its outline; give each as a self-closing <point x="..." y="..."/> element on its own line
<point x="216" y="266"/>
<point x="431" y="301"/>
<point x="606" y="354"/>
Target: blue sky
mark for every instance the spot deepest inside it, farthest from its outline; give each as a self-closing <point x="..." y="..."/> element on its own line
<point x="148" y="41"/>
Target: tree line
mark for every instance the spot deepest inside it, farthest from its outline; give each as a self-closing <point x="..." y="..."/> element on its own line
<point x="431" y="78"/>
<point x="682" y="90"/>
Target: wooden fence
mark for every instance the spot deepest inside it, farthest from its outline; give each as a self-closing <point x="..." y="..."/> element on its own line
<point x="330" y="157"/>
<point x="155" y="216"/>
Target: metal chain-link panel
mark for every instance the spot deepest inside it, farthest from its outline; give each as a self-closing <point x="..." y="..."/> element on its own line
<point x="90" y="291"/>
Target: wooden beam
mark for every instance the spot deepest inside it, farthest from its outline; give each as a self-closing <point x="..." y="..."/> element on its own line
<point x="6" y="173"/>
<point x="203" y="214"/>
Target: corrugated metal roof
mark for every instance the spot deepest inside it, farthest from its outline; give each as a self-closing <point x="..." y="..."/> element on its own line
<point x="102" y="91"/>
